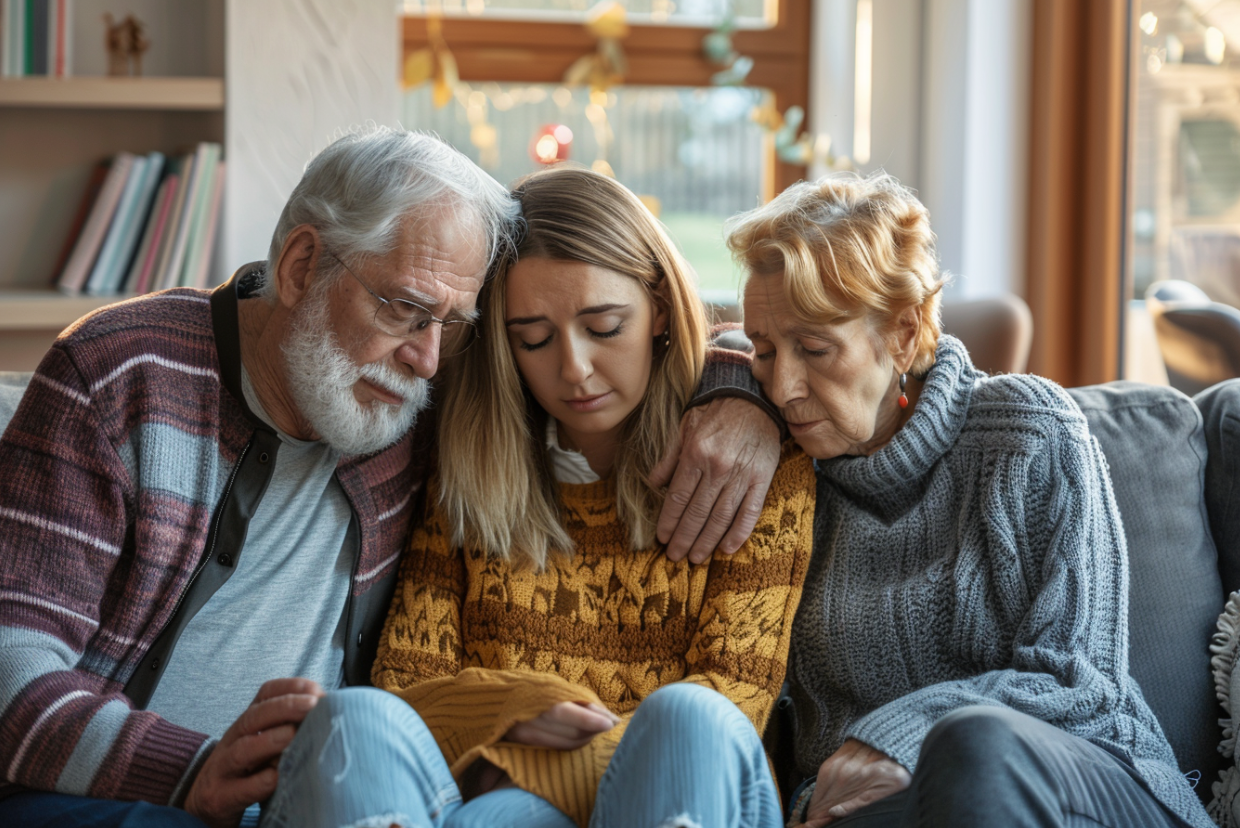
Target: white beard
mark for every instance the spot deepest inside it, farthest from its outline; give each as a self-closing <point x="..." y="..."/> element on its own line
<point x="321" y="377"/>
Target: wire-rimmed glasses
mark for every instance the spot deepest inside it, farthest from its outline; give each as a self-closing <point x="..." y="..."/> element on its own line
<point x="406" y="319"/>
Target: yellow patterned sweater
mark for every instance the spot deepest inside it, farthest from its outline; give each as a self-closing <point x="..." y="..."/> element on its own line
<point x="477" y="645"/>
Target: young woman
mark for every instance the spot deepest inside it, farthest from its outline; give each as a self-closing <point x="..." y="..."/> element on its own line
<point x="566" y="669"/>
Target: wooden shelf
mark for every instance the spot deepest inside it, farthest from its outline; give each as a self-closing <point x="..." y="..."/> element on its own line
<point x="44" y="310"/>
<point x="201" y="94"/>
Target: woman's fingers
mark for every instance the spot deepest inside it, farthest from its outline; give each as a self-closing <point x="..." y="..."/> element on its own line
<point x="565" y="726"/>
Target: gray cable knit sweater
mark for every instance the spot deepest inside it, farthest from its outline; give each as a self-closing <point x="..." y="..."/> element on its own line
<point x="978" y="558"/>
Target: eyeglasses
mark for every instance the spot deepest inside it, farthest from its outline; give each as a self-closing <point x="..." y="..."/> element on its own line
<point x="404" y="319"/>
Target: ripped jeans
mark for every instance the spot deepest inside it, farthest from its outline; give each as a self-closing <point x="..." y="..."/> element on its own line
<point x="364" y="759"/>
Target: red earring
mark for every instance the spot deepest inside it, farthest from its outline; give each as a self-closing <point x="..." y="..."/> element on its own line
<point x="903" y="397"/>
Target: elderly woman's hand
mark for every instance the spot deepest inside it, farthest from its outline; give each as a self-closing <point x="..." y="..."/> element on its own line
<point x="851" y="778"/>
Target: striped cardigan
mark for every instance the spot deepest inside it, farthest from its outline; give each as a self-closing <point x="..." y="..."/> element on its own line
<point x="114" y="465"/>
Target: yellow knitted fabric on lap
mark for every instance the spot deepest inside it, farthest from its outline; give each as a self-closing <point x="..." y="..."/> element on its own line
<point x="476" y="644"/>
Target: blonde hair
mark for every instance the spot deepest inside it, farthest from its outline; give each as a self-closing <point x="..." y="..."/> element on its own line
<point x="497" y="489"/>
<point x="848" y="245"/>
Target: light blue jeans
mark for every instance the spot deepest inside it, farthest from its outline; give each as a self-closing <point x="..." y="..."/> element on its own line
<point x="364" y="759"/>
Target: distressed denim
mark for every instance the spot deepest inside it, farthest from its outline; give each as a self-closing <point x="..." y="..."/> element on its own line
<point x="364" y="759"/>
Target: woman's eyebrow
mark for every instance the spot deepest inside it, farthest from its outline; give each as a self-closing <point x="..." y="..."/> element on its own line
<point x="529" y="320"/>
<point x="525" y="320"/>
<point x="601" y="309"/>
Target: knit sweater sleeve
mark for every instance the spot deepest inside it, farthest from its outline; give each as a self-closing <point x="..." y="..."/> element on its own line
<point x="745" y="627"/>
<point x="727" y="372"/>
<point x="421" y="655"/>
<point x="65" y="511"/>
<point x="1059" y="560"/>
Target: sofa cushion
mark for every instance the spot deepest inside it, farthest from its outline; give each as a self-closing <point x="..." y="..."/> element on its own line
<point x="1154" y="442"/>
<point x="1220" y="411"/>
<point x="12" y="386"/>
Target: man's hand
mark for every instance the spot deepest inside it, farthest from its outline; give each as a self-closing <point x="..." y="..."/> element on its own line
<point x="851" y="778"/>
<point x="566" y="726"/>
<point x="241" y="770"/>
<point x="723" y="464"/>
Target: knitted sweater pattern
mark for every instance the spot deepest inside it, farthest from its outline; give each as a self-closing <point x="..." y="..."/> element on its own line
<point x="477" y="644"/>
<point x="114" y="464"/>
<point x="978" y="558"/>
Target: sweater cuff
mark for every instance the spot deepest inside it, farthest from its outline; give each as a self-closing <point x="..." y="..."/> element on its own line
<point x="897" y="734"/>
<point x="160" y="763"/>
<point x="191" y="773"/>
<point x="727" y="374"/>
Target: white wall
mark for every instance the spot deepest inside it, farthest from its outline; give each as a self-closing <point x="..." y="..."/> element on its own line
<point x="950" y="101"/>
<point x="298" y="73"/>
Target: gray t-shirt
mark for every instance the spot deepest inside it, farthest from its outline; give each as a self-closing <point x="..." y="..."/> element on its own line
<point x="281" y="613"/>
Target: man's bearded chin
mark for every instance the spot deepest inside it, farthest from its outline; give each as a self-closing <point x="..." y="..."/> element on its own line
<point x="321" y="378"/>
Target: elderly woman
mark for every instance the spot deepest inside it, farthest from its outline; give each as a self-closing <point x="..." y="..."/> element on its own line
<point x="960" y="656"/>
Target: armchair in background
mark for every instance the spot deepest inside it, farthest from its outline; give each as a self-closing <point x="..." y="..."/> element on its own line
<point x="1199" y="339"/>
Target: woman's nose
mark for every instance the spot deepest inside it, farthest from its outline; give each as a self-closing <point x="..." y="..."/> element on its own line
<point x="575" y="366"/>
<point x="787" y="381"/>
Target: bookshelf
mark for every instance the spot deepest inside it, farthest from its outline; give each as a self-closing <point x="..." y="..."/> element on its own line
<point x="169" y="94"/>
<point x="293" y="75"/>
<point x="54" y="130"/>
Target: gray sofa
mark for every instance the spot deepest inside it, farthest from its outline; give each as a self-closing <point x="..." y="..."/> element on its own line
<point x="1174" y="469"/>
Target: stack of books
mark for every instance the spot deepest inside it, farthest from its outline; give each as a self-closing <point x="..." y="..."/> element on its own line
<point x="35" y="38"/>
<point x="145" y="223"/>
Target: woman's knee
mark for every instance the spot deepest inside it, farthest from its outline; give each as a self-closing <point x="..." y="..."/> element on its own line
<point x="677" y="707"/>
<point x="696" y="713"/>
<point x="971" y="739"/>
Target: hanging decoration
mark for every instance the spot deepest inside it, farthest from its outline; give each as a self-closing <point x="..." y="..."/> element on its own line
<point x="552" y="144"/>
<point x="434" y="63"/>
<point x="607" y="65"/>
<point x="718" y="49"/>
<point x="792" y="145"/>
<point x="602" y="69"/>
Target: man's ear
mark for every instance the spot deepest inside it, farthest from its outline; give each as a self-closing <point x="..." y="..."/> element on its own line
<point x="907" y="334"/>
<point x="297" y="265"/>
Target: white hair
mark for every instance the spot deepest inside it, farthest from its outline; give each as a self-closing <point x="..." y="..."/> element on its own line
<point x="359" y="190"/>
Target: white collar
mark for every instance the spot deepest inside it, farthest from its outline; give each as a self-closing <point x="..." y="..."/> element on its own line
<point x="567" y="466"/>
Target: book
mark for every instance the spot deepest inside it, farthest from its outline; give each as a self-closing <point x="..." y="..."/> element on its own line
<point x="194" y="184"/>
<point x="139" y="279"/>
<point x="60" y="31"/>
<point x="93" y="184"/>
<point x="14" y="37"/>
<point x="131" y="217"/>
<point x="158" y="276"/>
<point x="204" y="181"/>
<point x="28" y="38"/>
<point x="85" y="251"/>
<point x="37" y="36"/>
<point x="203" y="275"/>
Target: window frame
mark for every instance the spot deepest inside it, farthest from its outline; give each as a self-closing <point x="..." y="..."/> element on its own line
<point x="520" y="51"/>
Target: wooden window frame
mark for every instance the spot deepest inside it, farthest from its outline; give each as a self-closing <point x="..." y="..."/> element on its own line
<point x="518" y="51"/>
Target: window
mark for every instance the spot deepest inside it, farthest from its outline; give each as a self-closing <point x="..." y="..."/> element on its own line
<point x="691" y="148"/>
<point x="1184" y="206"/>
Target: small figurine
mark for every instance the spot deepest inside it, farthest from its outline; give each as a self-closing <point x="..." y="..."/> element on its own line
<point x="125" y="42"/>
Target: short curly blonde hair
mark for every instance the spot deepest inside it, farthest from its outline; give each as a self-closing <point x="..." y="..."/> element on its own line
<point x="848" y="245"/>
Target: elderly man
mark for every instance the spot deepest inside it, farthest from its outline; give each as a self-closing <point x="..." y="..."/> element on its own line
<point x="205" y="492"/>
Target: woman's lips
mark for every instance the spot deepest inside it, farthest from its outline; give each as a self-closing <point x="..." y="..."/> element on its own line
<point x="588" y="403"/>
<point x="801" y="428"/>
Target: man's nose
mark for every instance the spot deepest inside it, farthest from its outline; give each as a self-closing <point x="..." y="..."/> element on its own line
<point x="421" y="353"/>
